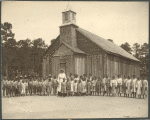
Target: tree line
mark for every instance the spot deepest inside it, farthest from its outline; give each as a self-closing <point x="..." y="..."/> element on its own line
<point x="141" y="52"/>
<point x="23" y="57"/>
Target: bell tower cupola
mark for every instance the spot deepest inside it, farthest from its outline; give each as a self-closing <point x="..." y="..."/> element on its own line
<point x="68" y="27"/>
<point x="68" y="16"/>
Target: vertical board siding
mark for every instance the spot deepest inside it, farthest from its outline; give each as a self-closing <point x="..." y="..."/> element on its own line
<point x="80" y="65"/>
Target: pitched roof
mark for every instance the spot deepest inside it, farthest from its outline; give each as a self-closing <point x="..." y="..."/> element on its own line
<point x="74" y="49"/>
<point x="106" y="45"/>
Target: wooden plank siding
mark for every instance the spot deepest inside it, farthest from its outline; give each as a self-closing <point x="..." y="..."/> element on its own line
<point x="80" y="66"/>
<point x="121" y="66"/>
<point x="49" y="52"/>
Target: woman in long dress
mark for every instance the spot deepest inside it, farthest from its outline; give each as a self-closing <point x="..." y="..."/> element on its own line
<point x="61" y="76"/>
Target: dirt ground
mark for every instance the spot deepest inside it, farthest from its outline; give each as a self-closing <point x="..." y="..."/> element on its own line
<point x="34" y="107"/>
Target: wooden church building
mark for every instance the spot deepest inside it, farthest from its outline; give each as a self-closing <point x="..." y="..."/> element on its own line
<point x="79" y="51"/>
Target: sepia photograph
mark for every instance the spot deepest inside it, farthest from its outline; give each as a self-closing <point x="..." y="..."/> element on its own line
<point x="74" y="59"/>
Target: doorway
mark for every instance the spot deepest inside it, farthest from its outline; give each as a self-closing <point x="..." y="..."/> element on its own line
<point x="63" y="66"/>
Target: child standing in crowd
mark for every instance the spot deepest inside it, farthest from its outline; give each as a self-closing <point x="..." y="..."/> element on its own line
<point x="108" y="87"/>
<point x="84" y="87"/>
<point x="40" y="86"/>
<point x="91" y="87"/>
<point x="128" y="85"/>
<point x="138" y="87"/>
<point x="26" y="86"/>
<point x="75" y="88"/>
<point x="68" y="87"/>
<point x="23" y="88"/>
<point x="124" y="86"/>
<point x="16" y="86"/>
<point x="63" y="88"/>
<point x="72" y="85"/>
<point x="144" y="87"/>
<point x="50" y="87"/>
<point x="104" y="85"/>
<point x="98" y="86"/>
<point x="13" y="88"/>
<point x="30" y="86"/>
<point x="79" y="88"/>
<point x="119" y="85"/>
<point x="20" y="86"/>
<point x="113" y="84"/>
<point x="55" y="85"/>
<point x="88" y="87"/>
<point x="133" y="83"/>
<point x="94" y="85"/>
<point x="43" y="87"/>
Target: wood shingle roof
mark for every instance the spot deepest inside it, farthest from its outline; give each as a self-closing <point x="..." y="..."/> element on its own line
<point x="106" y="45"/>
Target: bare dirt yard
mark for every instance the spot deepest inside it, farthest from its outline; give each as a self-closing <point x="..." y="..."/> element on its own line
<point x="34" y="107"/>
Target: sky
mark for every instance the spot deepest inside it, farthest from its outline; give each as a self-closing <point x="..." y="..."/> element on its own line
<point x="120" y="21"/>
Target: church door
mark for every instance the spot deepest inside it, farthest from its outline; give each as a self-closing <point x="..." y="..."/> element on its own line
<point x="63" y="66"/>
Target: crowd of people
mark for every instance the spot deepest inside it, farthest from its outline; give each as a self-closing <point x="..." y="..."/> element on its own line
<point x="76" y="86"/>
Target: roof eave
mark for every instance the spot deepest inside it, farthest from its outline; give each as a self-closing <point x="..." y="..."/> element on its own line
<point x="122" y="56"/>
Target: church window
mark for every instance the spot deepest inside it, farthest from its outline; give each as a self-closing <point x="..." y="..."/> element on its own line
<point x="66" y="16"/>
<point x="73" y="17"/>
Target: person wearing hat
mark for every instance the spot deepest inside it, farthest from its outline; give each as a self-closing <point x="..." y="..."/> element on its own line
<point x="61" y="76"/>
